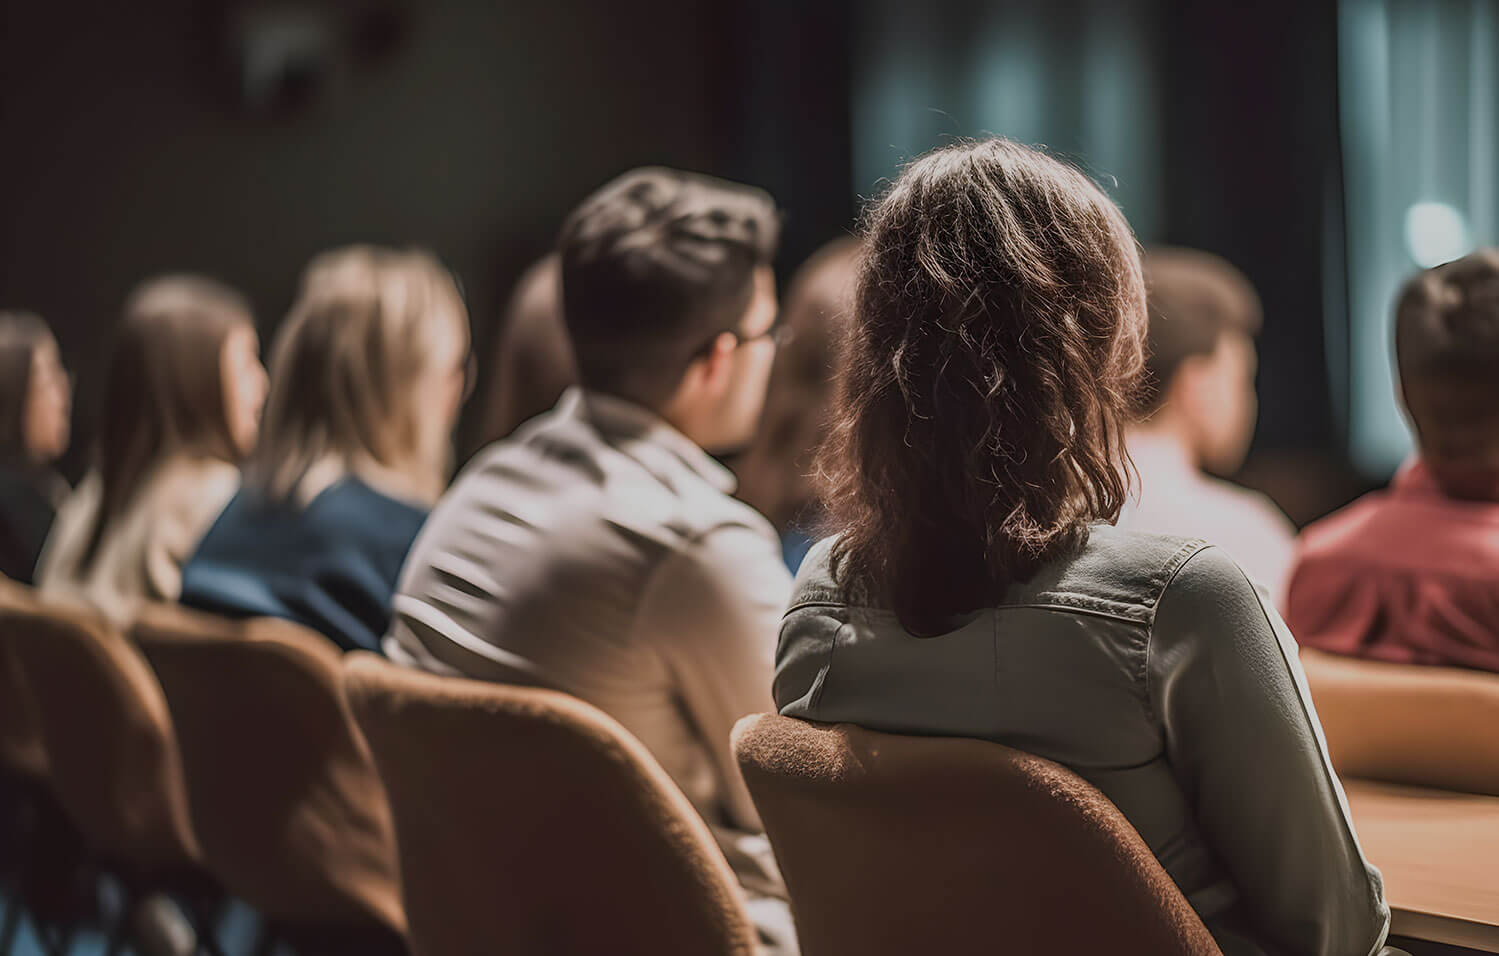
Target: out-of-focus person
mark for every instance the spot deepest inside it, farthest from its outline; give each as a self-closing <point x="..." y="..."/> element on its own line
<point x="974" y="586"/>
<point x="532" y="362"/>
<point x="1411" y="574"/>
<point x="599" y="550"/>
<point x="36" y="400"/>
<point x="1198" y="409"/>
<point x="182" y="402"/>
<point x="775" y="474"/>
<point x="367" y="377"/>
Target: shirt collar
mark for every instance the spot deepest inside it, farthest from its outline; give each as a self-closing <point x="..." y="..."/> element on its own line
<point x="1160" y="455"/>
<point x="618" y="418"/>
<point x="1415" y="478"/>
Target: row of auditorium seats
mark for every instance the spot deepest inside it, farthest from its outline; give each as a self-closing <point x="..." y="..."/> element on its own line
<point x="197" y="756"/>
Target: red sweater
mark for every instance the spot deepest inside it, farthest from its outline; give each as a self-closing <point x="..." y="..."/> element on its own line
<point x="1407" y="575"/>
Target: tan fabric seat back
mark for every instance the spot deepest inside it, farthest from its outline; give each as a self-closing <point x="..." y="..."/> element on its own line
<point x="898" y="845"/>
<point x="111" y="752"/>
<point x="1426" y="726"/>
<point x="285" y="798"/>
<point x="21" y="749"/>
<point x="530" y="822"/>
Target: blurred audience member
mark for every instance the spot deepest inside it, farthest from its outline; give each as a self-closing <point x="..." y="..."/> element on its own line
<point x="367" y="377"/>
<point x="181" y="406"/>
<point x="1199" y="412"/>
<point x="598" y="551"/>
<point x="532" y="362"/>
<point x="775" y="474"/>
<point x="35" y="403"/>
<point x="972" y="467"/>
<point x="1411" y="574"/>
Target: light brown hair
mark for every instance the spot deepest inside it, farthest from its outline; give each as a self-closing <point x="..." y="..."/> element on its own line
<point x="164" y="390"/>
<point x="994" y="345"/>
<point x="1193" y="297"/>
<point x="775" y="474"/>
<point x="346" y="365"/>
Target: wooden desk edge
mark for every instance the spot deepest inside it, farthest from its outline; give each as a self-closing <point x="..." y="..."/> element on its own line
<point x="1452" y="930"/>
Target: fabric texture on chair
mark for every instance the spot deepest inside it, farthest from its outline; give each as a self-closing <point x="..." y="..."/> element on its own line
<point x="530" y="822"/>
<point x="112" y="757"/>
<point x="285" y="799"/>
<point x="21" y="750"/>
<point x="1406" y="723"/>
<point x="898" y="845"/>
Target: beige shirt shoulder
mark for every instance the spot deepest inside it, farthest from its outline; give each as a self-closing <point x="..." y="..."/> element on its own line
<point x="141" y="554"/>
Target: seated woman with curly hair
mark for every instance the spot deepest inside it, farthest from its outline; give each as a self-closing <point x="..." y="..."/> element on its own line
<point x="975" y="585"/>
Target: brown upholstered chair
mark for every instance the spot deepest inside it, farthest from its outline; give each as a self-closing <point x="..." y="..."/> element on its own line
<point x="899" y="845"/>
<point x="285" y="800"/>
<point x="531" y="822"/>
<point x="112" y="765"/>
<point x="21" y="750"/>
<point x="112" y="757"/>
<point x="1402" y="723"/>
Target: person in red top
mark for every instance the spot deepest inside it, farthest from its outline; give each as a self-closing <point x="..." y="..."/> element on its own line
<point x="1411" y="574"/>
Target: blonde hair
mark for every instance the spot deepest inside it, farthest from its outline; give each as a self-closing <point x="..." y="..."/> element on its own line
<point x="346" y="367"/>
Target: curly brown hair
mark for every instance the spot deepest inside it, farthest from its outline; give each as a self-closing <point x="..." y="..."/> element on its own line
<point x="990" y="362"/>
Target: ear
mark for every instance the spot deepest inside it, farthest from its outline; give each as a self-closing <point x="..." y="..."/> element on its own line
<point x="712" y="371"/>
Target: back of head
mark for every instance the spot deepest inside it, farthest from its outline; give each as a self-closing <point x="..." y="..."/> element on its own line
<point x="995" y="340"/>
<point x="775" y="474"/>
<point x="369" y="330"/>
<point x="21" y="334"/>
<point x="655" y="265"/>
<point x="532" y="362"/>
<point x="164" y="390"/>
<point x="1447" y="348"/>
<point x="1194" y="298"/>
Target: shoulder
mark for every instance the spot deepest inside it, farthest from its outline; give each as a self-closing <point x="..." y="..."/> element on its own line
<point x="351" y="506"/>
<point x="1118" y="572"/>
<point x="1341" y="528"/>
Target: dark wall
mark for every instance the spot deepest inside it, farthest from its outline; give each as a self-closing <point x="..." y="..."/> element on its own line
<point x="127" y="151"/>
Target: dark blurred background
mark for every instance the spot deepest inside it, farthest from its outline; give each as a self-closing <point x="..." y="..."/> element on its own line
<point x="238" y="138"/>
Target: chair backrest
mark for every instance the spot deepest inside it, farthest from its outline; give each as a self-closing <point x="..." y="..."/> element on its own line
<point x="112" y="757"/>
<point x="898" y="845"/>
<point x="21" y="749"/>
<point x="531" y="822"/>
<point x="285" y="799"/>
<point x="1401" y="723"/>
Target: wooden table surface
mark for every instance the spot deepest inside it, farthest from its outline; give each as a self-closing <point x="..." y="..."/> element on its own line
<point x="1439" y="853"/>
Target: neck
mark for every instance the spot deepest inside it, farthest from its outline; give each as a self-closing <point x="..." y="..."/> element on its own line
<point x="1164" y="430"/>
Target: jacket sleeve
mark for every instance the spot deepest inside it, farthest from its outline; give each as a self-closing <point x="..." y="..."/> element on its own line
<point x="1247" y="748"/>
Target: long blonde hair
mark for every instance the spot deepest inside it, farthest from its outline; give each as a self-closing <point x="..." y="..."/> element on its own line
<point x="346" y="367"/>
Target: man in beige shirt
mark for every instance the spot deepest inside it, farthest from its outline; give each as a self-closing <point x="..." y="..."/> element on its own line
<point x="598" y="551"/>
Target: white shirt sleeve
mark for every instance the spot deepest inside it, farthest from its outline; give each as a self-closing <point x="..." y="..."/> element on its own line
<point x="713" y="611"/>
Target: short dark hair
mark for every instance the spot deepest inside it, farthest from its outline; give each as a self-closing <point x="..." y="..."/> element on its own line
<point x="655" y="264"/>
<point x="1194" y="297"/>
<point x="1447" y="349"/>
<point x="995" y="340"/>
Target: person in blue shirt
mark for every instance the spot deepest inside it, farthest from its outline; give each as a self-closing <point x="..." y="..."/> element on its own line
<point x="367" y="376"/>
